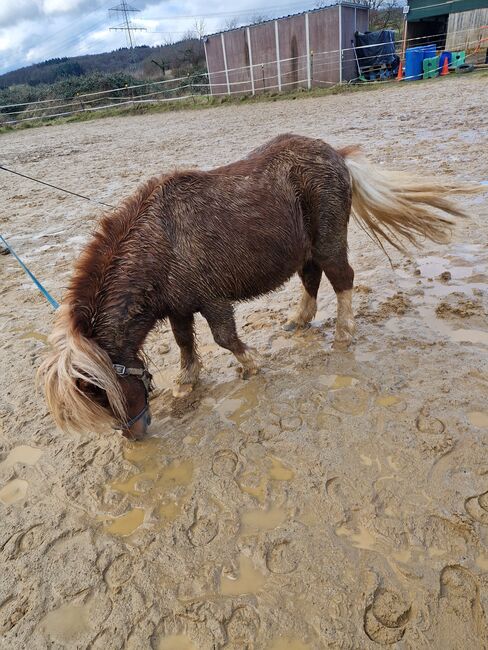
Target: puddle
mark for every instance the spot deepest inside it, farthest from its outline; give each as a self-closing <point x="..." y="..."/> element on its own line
<point x="350" y="400"/>
<point x="287" y="643"/>
<point x="275" y="471"/>
<point x="66" y="624"/>
<point x="126" y="524"/>
<point x="482" y="562"/>
<point x="32" y="334"/>
<point x="470" y="336"/>
<point x="432" y="266"/>
<point x="254" y="521"/>
<point x="156" y="478"/>
<point x="279" y="471"/>
<point x="155" y="486"/>
<point x="258" y="492"/>
<point x="248" y="580"/>
<point x="14" y="491"/>
<point x="478" y="419"/>
<point x="402" y="556"/>
<point x="335" y="382"/>
<point x="387" y="400"/>
<point x="363" y="539"/>
<point x="459" y="335"/>
<point x="238" y="405"/>
<point x="176" y="642"/>
<point x="22" y="454"/>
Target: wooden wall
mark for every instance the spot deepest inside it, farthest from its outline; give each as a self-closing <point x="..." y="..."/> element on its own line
<point x="464" y="32"/>
<point x="329" y="30"/>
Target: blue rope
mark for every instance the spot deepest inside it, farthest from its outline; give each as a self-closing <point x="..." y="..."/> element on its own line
<point x="44" y="292"/>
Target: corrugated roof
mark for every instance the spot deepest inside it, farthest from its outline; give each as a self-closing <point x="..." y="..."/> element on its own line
<point x="354" y="5"/>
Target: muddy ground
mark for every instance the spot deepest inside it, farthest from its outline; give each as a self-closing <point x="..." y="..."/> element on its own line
<point x="336" y="500"/>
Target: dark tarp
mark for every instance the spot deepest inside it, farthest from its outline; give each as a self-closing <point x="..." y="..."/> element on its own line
<point x="376" y="48"/>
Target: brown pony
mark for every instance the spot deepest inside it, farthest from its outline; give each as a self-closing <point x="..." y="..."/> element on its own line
<point x="197" y="241"/>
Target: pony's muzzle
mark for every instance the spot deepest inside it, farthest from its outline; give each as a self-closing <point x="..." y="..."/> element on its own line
<point x="139" y="429"/>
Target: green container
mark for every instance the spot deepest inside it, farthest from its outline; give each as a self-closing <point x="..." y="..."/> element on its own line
<point x="431" y="67"/>
<point x="458" y="58"/>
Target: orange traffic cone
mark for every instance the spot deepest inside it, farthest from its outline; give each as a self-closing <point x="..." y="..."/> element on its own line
<point x="445" y="67"/>
<point x="400" y="72"/>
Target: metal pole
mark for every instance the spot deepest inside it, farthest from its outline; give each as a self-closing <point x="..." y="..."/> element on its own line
<point x="307" y="45"/>
<point x="404" y="45"/>
<point x="248" y="33"/>
<point x="225" y="63"/>
<point x="340" y="43"/>
<point x="208" y="69"/>
<point x="278" y="62"/>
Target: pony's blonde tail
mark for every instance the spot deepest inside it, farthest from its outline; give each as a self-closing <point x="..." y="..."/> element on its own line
<point x="74" y="370"/>
<point x="397" y="205"/>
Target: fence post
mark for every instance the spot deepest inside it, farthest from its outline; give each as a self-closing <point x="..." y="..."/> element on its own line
<point x="307" y="45"/>
<point x="278" y="62"/>
<point x="225" y="63"/>
<point x="340" y="43"/>
<point x="251" y="69"/>
<point x="206" y="61"/>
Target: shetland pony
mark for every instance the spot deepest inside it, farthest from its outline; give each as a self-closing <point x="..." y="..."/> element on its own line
<point x="198" y="241"/>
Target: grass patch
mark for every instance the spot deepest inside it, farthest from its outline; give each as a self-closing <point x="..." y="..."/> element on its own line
<point x="198" y="103"/>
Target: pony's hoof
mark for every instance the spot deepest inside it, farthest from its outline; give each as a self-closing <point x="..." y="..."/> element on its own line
<point x="182" y="390"/>
<point x="293" y="326"/>
<point x="246" y="373"/>
<point x="342" y="342"/>
<point x="290" y="326"/>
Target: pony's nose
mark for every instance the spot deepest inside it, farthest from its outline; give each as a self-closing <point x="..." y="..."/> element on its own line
<point x="148" y="418"/>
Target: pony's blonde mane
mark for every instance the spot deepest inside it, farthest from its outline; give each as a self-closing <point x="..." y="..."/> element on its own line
<point x="75" y="358"/>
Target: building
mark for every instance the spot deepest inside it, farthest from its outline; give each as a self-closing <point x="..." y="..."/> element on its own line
<point x="452" y="25"/>
<point x="310" y="49"/>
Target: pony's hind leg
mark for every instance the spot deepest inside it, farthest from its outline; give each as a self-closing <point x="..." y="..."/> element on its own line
<point x="341" y="277"/>
<point x="220" y="317"/>
<point x="310" y="275"/>
<point x="182" y="327"/>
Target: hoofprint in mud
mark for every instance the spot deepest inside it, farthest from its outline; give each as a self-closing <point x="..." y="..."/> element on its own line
<point x="335" y="499"/>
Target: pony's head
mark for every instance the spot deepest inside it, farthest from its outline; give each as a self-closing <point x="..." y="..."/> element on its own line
<point x="84" y="391"/>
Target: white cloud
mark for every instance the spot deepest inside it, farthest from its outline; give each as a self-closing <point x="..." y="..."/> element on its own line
<point x="34" y="30"/>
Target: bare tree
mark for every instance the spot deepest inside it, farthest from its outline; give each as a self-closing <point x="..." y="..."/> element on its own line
<point x="259" y="18"/>
<point x="232" y="23"/>
<point x="199" y="27"/>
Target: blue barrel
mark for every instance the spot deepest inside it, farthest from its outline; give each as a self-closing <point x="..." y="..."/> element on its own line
<point x="414" y="57"/>
<point x="429" y="51"/>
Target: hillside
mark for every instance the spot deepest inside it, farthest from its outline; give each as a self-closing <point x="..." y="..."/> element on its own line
<point x="143" y="61"/>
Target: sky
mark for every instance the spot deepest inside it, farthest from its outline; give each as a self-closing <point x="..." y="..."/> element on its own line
<point x="35" y="30"/>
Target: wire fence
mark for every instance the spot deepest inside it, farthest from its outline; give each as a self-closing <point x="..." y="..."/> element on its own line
<point x="286" y="74"/>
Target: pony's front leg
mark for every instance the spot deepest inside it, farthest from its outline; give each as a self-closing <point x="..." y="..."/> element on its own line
<point x="220" y="317"/>
<point x="182" y="327"/>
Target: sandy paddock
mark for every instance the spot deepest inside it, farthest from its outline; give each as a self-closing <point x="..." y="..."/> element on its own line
<point x="336" y="500"/>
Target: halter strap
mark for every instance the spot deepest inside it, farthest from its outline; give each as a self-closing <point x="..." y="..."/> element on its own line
<point x="145" y="376"/>
<point x="136" y="418"/>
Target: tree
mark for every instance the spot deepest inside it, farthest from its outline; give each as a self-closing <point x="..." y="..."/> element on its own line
<point x="232" y="23"/>
<point x="200" y="28"/>
<point x="383" y="14"/>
